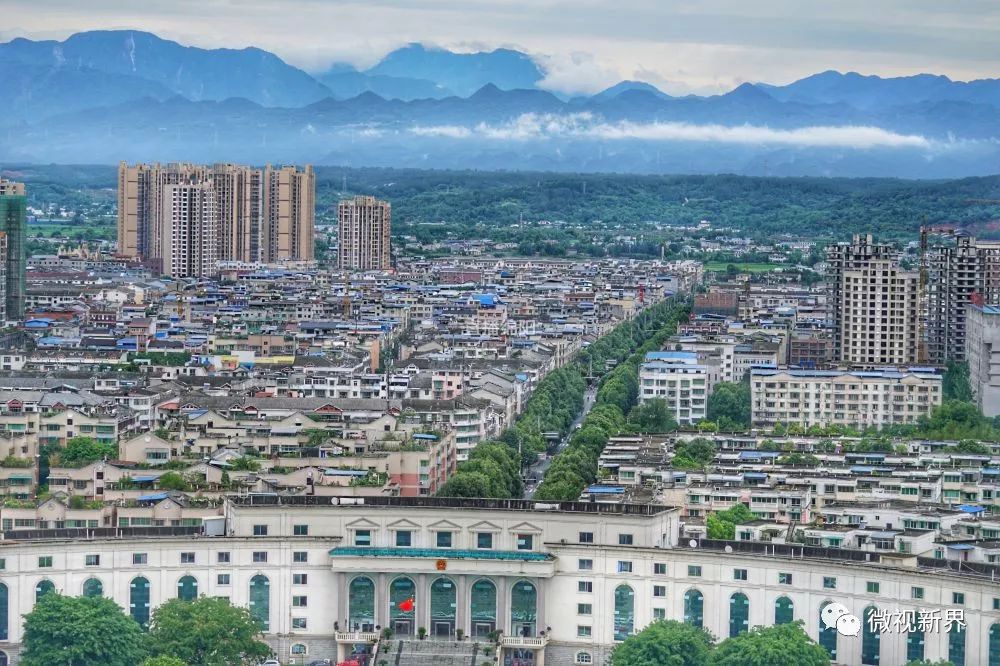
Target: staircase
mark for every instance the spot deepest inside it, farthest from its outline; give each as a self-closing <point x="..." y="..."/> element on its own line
<point x="432" y="652"/>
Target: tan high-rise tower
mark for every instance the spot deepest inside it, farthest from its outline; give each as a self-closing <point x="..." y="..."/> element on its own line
<point x="262" y="215"/>
<point x="365" y="229"/>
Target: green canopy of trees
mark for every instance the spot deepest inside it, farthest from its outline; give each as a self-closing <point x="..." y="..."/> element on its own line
<point x="164" y="661"/>
<point x="769" y="646"/>
<point x="722" y="524"/>
<point x="729" y="406"/>
<point x="665" y="643"/>
<point x="652" y="416"/>
<point x="85" y="450"/>
<point x="208" y="631"/>
<point x="693" y="454"/>
<point x="81" y="631"/>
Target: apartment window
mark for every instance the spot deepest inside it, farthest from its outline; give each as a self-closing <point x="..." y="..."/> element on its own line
<point x="3" y="563"/>
<point x="298" y="623"/>
<point x="187" y="558"/>
<point x="45" y="562"/>
<point x="694" y="570"/>
<point x="222" y="579"/>
<point x="586" y="537"/>
<point x="625" y="539"/>
<point x="300" y="601"/>
<point x="739" y="574"/>
<point x="917" y="593"/>
<point x="585" y="565"/>
<point x="362" y="537"/>
<point x="92" y="560"/>
<point x="624" y="566"/>
<point x="659" y="613"/>
<point x="260" y="530"/>
<point x="996" y="603"/>
<point x="484" y="540"/>
<point x="404" y="538"/>
<point x="444" y="539"/>
<point x="300" y="557"/>
<point x="139" y="558"/>
<point x="584" y="609"/>
<point x="260" y="556"/>
<point x="872" y="587"/>
<point x="829" y="583"/>
<point x="300" y="579"/>
<point x="223" y="557"/>
<point x="660" y="568"/>
<point x="958" y="598"/>
<point x="524" y="541"/>
<point x="784" y="579"/>
<point x="300" y="530"/>
<point x="583" y="631"/>
<point x="585" y="586"/>
<point x="659" y="590"/>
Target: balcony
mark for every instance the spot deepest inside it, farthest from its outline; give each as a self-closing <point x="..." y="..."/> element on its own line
<point x="524" y="642"/>
<point x="356" y="636"/>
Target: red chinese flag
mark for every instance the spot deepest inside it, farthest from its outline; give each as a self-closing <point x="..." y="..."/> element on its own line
<point x="406" y="605"/>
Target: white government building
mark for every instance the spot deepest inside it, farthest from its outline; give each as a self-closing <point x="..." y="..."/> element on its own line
<point x="562" y="582"/>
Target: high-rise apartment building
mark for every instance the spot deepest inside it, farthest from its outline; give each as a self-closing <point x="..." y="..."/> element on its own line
<point x="365" y="226"/>
<point x="190" y="230"/>
<point x="960" y="270"/>
<point x="875" y="304"/>
<point x="13" y="224"/>
<point x="262" y="215"/>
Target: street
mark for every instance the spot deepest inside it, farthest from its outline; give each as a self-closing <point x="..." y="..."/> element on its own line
<point x="538" y="469"/>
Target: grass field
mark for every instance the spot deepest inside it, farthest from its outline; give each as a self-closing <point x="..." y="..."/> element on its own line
<point x="743" y="268"/>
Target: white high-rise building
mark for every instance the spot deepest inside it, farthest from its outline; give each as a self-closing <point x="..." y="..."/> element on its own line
<point x="190" y="230"/>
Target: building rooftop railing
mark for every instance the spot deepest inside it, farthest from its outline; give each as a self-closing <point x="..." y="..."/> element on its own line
<point x="783" y="550"/>
<point x="85" y="533"/>
<point x="263" y="500"/>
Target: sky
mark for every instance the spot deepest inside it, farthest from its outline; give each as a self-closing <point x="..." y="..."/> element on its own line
<point x="701" y="46"/>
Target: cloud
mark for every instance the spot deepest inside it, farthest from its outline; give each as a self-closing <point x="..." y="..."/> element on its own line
<point x="576" y="73"/>
<point x="534" y="126"/>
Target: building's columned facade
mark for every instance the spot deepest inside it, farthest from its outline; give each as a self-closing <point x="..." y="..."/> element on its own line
<point x="563" y="583"/>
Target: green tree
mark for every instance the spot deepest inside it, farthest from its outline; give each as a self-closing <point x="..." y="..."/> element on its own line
<point x="208" y="631"/>
<point x="665" y="643"/>
<point x="85" y="450"/>
<point x="652" y="416"/>
<point x="693" y="454"/>
<point x="80" y="631"/>
<point x="245" y="464"/>
<point x="722" y="524"/>
<point x="973" y="447"/>
<point x="172" y="481"/>
<point x="955" y="384"/>
<point x="466" y="484"/>
<point x="768" y="646"/>
<point x="164" y="661"/>
<point x="730" y="401"/>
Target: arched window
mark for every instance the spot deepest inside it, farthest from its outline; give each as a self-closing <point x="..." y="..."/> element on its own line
<point x="956" y="644"/>
<point x="784" y="611"/>
<point x="3" y="658"/>
<point x="138" y="601"/>
<point x="361" y="605"/>
<point x="915" y="645"/>
<point x="43" y="588"/>
<point x="299" y="649"/>
<point x="624" y="612"/>
<point x="483" y="608"/>
<point x="994" y="654"/>
<point x="584" y="658"/>
<point x="694" y="608"/>
<point x="739" y="614"/>
<point x="187" y="588"/>
<point x="871" y="640"/>
<point x="444" y="604"/>
<point x="93" y="587"/>
<point x="523" y="609"/>
<point x="402" y="606"/>
<point x="260" y="601"/>
<point x="4" y="613"/>
<point x="827" y="635"/>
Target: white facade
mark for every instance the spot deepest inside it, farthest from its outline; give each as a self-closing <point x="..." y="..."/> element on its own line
<point x="982" y="349"/>
<point x="190" y="230"/>
<point x="582" y="562"/>
<point x="680" y="380"/>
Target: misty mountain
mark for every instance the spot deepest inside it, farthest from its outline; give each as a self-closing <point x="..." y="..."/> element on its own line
<point x="194" y="73"/>
<point x="462" y="73"/>
<point x="108" y="96"/>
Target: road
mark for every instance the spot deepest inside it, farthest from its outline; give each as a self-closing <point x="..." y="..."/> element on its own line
<point x="538" y="469"/>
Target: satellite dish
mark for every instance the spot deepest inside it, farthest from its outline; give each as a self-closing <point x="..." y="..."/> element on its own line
<point x="729" y="549"/>
<point x="693" y="543"/>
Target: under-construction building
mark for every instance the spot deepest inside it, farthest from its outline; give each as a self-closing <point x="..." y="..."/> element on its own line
<point x="874" y="303"/>
<point x="959" y="270"/>
<point x="13" y="223"/>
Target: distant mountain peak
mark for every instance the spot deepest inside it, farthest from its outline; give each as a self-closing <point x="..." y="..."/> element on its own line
<point x="630" y="86"/>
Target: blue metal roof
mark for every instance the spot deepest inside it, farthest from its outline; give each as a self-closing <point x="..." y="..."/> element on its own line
<point x="155" y="497"/>
<point x="960" y="546"/>
<point x="757" y="455"/>
<point x="142" y="479"/>
<point x="970" y="508"/>
<point x="345" y="472"/>
<point x="606" y="490"/>
<point x="441" y="554"/>
<point x="862" y="469"/>
<point x="754" y="475"/>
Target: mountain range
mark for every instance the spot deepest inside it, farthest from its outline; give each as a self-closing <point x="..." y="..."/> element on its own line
<point x="104" y="96"/>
